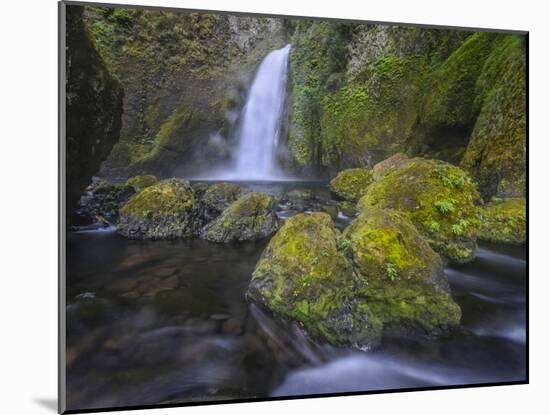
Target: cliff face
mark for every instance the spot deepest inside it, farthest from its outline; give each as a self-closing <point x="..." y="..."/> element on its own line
<point x="93" y="108"/>
<point x="185" y="77"/>
<point x="361" y="93"/>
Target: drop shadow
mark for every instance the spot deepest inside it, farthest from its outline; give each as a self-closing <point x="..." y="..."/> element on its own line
<point x="48" y="403"/>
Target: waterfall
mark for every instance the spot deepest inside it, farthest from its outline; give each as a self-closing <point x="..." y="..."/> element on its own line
<point x="261" y="120"/>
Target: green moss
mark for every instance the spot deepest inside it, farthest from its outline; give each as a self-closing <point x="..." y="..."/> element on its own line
<point x="167" y="209"/>
<point x="385" y="166"/>
<point x="429" y="192"/>
<point x="504" y="221"/>
<point x="141" y="182"/>
<point x="218" y="197"/>
<point x="251" y="217"/>
<point x="351" y="184"/>
<point x="385" y="244"/>
<point x="496" y="152"/>
<point x="303" y="276"/>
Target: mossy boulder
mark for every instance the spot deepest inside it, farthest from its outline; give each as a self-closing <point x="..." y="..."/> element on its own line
<point x="249" y="218"/>
<point x="141" y="182"/>
<point x="404" y="285"/>
<point x="385" y="166"/>
<point x="504" y="221"/>
<point x="303" y="276"/>
<point x="351" y="184"/>
<point x="218" y="197"/>
<point x="167" y="209"/>
<point x="439" y="198"/>
<point x="349" y="289"/>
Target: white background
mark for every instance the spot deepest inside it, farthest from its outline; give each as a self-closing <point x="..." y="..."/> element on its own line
<point x="28" y="204"/>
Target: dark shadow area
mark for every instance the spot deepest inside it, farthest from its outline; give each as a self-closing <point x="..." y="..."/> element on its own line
<point x="48" y="403"/>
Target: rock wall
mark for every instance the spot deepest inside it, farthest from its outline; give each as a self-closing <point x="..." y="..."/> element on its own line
<point x="93" y="108"/>
<point x="361" y="93"/>
<point x="185" y="77"/>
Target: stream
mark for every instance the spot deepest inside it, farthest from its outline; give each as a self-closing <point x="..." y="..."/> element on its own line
<point x="153" y="322"/>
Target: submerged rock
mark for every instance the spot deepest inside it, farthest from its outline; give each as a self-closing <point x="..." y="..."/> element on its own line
<point x="382" y="275"/>
<point x="217" y="198"/>
<point x="438" y="198"/>
<point x="504" y="221"/>
<point x="102" y="201"/>
<point x="249" y="218"/>
<point x="141" y="182"/>
<point x="300" y="201"/>
<point x="351" y="184"/>
<point x="167" y="209"/>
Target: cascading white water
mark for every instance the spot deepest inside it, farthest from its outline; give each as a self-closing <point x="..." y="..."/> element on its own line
<point x="261" y="120"/>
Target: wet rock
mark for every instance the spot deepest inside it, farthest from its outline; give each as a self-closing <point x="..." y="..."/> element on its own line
<point x="439" y="198"/>
<point x="351" y="184"/>
<point x="504" y="221"/>
<point x="141" y="182"/>
<point x="386" y="166"/>
<point x="102" y="201"/>
<point x="250" y="218"/>
<point x="348" y="290"/>
<point x="166" y="210"/>
<point x="217" y="198"/>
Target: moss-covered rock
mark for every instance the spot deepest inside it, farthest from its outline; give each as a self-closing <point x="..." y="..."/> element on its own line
<point x="167" y="209"/>
<point x="218" y="197"/>
<point x="385" y="166"/>
<point x="103" y="201"/>
<point x="405" y="286"/>
<point x="504" y="221"/>
<point x="141" y="182"/>
<point x="303" y="276"/>
<point x="440" y="199"/>
<point x="351" y="184"/>
<point x="348" y="290"/>
<point x="251" y="217"/>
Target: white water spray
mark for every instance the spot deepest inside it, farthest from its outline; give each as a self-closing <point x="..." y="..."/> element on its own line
<point x="261" y="123"/>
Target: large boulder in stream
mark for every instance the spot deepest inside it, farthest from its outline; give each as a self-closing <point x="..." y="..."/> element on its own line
<point x="167" y="209"/>
<point x="504" y="221"/>
<point x="249" y="218"/>
<point x="351" y="184"/>
<point x="218" y="197"/>
<point x="439" y="198"/>
<point x="348" y="290"/>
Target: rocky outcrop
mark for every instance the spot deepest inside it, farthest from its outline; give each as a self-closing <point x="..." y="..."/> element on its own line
<point x="93" y="108"/>
<point x="250" y="218"/>
<point x="377" y="90"/>
<point x="504" y="221"/>
<point x="165" y="210"/>
<point x="141" y="182"/>
<point x="216" y="198"/>
<point x="102" y="201"/>
<point x="350" y="289"/>
<point x="351" y="184"/>
<point x="440" y="199"/>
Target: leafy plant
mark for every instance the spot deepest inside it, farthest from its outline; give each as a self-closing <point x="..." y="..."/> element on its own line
<point x="434" y="226"/>
<point x="391" y="271"/>
<point x="445" y="206"/>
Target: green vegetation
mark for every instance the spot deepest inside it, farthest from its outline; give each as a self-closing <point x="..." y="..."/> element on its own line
<point x="439" y="198"/>
<point x="141" y="182"/>
<point x="504" y="221"/>
<point x="167" y="209"/>
<point x="249" y="218"/>
<point x="351" y="184"/>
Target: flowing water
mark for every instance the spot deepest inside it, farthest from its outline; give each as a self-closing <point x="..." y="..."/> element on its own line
<point x="260" y="128"/>
<point x="152" y="322"/>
